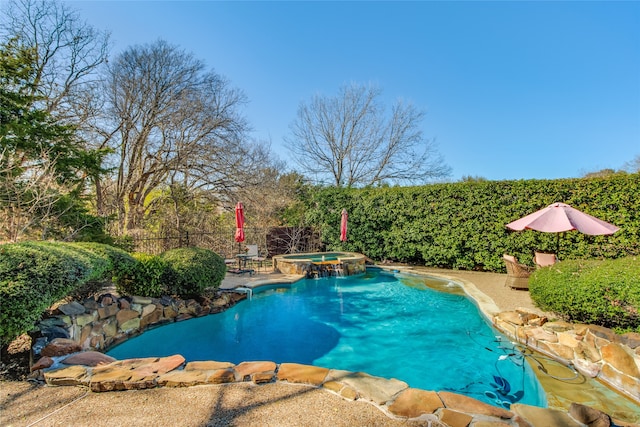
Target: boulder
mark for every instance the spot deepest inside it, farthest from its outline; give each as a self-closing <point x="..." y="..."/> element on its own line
<point x="631" y="340"/>
<point x="543" y="417"/>
<point x="151" y="317"/>
<point x="42" y="363"/>
<point x="455" y="418"/>
<point x="88" y="358"/>
<point x="147" y="310"/>
<point x="413" y="402"/>
<point x="182" y="378"/>
<point x="161" y="365"/>
<point x="86" y="318"/>
<point x="170" y="312"/>
<point x="108" y="311"/>
<point x="602" y="332"/>
<point x="589" y="416"/>
<point x="246" y="370"/>
<point x="460" y="403"/>
<point x="72" y="309"/>
<point x="221" y="376"/>
<point x="96" y="341"/>
<point x="52" y="332"/>
<point x="540" y="334"/>
<point x="378" y="390"/>
<point x="557" y="326"/>
<point x="130" y="325"/>
<point x="616" y="356"/>
<point x="125" y="315"/>
<point x="207" y="366"/>
<point x="512" y="317"/>
<point x="141" y="300"/>
<point x="73" y="375"/>
<point x="299" y="373"/>
<point x="61" y="347"/>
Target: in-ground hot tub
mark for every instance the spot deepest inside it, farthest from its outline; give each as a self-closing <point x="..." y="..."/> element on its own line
<point x="320" y="264"/>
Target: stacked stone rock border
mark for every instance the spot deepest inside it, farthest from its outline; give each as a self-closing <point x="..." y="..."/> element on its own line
<point x="73" y="332"/>
<point x="107" y="320"/>
<point x="97" y="372"/>
<point x="594" y="351"/>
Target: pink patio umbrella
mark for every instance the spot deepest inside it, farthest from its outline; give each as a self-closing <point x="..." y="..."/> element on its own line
<point x="560" y="217"/>
<point x="343" y="226"/>
<point x="239" y="224"/>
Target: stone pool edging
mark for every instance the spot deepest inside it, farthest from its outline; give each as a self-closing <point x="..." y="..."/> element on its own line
<point x="395" y="398"/>
<point x="594" y="351"/>
<point x="100" y="322"/>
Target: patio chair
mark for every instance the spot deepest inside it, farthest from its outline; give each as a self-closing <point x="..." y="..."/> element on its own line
<point x="517" y="274"/>
<point x="255" y="257"/>
<point x="542" y="259"/>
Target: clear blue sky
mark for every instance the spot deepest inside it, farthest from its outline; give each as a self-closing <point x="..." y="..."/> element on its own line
<point x="511" y="90"/>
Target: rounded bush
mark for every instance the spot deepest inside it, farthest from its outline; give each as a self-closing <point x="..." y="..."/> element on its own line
<point x="148" y="277"/>
<point x="601" y="292"/>
<point x="193" y="270"/>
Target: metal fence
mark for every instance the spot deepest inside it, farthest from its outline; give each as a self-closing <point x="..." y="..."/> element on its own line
<point x="271" y="241"/>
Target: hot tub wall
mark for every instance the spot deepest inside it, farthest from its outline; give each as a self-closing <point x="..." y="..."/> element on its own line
<point x="352" y="263"/>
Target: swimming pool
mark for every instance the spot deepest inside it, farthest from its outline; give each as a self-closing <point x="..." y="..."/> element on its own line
<point x="387" y="325"/>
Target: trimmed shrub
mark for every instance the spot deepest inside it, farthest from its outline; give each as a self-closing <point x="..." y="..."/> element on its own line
<point x="119" y="260"/>
<point x="148" y="277"/>
<point x="35" y="275"/>
<point x="601" y="292"/>
<point x="193" y="270"/>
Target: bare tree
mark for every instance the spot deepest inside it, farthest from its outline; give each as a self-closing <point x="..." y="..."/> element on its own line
<point x="632" y="166"/>
<point x="350" y="141"/>
<point x="27" y="197"/>
<point x="68" y="52"/>
<point x="169" y="121"/>
<point x="42" y="162"/>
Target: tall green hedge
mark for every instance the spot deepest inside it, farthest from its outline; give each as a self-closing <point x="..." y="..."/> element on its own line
<point x="34" y="275"/>
<point x="462" y="225"/>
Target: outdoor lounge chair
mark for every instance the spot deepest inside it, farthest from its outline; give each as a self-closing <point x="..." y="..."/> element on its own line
<point x="517" y="274"/>
<point x="542" y="259"/>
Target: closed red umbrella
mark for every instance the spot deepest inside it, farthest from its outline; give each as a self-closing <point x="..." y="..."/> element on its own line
<point x="343" y="226"/>
<point x="560" y="217"/>
<point x="239" y="224"/>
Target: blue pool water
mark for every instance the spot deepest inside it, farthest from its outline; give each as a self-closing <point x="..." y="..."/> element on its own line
<point x="326" y="256"/>
<point x="382" y="324"/>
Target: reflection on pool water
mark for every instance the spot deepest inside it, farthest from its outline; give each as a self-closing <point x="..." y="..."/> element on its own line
<point x="316" y="257"/>
<point x="386" y="325"/>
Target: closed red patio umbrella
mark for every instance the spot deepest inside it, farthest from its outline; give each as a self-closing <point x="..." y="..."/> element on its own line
<point x="239" y="224"/>
<point x="343" y="226"/>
